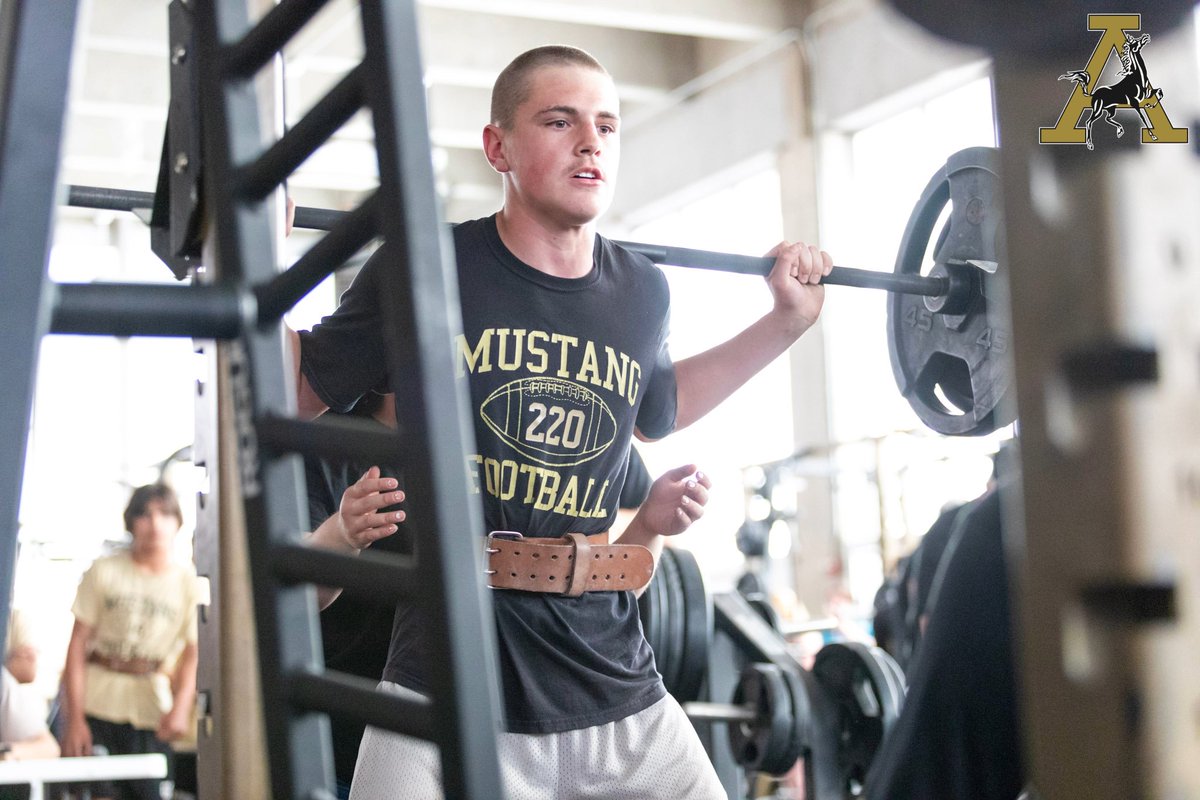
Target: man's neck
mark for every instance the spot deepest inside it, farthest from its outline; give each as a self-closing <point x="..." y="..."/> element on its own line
<point x="151" y="560"/>
<point x="565" y="252"/>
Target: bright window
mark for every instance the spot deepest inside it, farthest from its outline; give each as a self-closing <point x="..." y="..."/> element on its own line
<point x="755" y="424"/>
<point x="894" y="475"/>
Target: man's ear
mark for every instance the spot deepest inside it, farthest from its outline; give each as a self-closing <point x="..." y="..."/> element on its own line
<point x="493" y="147"/>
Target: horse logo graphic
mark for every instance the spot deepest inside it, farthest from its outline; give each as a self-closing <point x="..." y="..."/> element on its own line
<point x="1130" y="92"/>
<point x="1132" y="89"/>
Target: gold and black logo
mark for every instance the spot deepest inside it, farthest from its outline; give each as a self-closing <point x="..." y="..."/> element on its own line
<point x="1131" y="88"/>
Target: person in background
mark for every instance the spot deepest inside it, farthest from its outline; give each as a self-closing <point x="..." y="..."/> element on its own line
<point x="911" y="589"/>
<point x="890" y="607"/>
<point x="130" y="674"/>
<point x="20" y="651"/>
<point x="959" y="732"/>
<point x="23" y="730"/>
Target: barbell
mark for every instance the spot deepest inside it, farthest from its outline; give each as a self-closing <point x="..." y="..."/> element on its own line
<point x="947" y="329"/>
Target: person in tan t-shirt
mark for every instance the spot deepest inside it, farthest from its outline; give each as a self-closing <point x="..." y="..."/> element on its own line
<point x="130" y="676"/>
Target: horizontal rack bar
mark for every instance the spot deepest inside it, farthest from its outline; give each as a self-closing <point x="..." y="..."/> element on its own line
<point x="336" y="438"/>
<point x="150" y="309"/>
<point x="259" y="178"/>
<point x="352" y="697"/>
<point x="381" y="577"/>
<point x="351" y="233"/>
<point x="268" y="37"/>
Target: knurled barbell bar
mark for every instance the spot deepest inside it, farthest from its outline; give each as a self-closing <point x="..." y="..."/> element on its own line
<point x="948" y="329"/>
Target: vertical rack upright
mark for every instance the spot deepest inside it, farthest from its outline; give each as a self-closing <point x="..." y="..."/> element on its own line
<point x="242" y="301"/>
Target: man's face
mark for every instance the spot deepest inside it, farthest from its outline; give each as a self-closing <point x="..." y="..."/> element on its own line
<point x="155" y="528"/>
<point x="561" y="152"/>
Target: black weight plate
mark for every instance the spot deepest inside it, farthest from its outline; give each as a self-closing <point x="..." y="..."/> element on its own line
<point x="676" y="620"/>
<point x="761" y="745"/>
<point x="652" y="612"/>
<point x="662" y="603"/>
<point x="962" y="357"/>
<point x="1020" y="28"/>
<point x="646" y="612"/>
<point x="698" y="627"/>
<point x="955" y="384"/>
<point x="801" y="716"/>
<point x="867" y="696"/>
<point x="899" y="681"/>
<point x="823" y="778"/>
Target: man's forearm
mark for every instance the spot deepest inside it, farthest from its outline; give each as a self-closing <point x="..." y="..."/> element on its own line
<point x="73" y="683"/>
<point x="637" y="532"/>
<point x="183" y="685"/>
<point x="328" y="537"/>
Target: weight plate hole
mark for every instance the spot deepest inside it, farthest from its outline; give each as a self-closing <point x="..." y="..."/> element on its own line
<point x="945" y="381"/>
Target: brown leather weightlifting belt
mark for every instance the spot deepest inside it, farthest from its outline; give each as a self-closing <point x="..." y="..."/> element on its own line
<point x="129" y="666"/>
<point x="568" y="566"/>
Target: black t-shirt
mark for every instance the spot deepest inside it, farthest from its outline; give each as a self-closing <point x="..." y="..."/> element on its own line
<point x="927" y="559"/>
<point x="637" y="482"/>
<point x="355" y="634"/>
<point x="917" y="578"/>
<point x="958" y="735"/>
<point x="559" y="372"/>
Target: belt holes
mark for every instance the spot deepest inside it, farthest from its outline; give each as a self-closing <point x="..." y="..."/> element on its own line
<point x="621" y="576"/>
<point x="625" y="556"/>
<point x="553" y="556"/>
<point x="608" y="577"/>
<point x="537" y="555"/>
<point x="513" y="574"/>
<point x="610" y="555"/>
<point x="597" y="555"/>
<point x="551" y="578"/>
<point x="533" y="577"/>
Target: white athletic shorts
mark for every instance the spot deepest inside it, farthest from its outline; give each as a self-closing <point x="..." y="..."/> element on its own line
<point x="652" y="754"/>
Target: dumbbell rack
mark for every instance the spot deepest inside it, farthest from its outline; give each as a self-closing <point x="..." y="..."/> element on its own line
<point x="241" y="300"/>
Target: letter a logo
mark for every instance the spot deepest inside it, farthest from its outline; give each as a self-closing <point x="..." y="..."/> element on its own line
<point x="1132" y="89"/>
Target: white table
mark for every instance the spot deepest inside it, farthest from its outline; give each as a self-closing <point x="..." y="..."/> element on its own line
<point x="39" y="771"/>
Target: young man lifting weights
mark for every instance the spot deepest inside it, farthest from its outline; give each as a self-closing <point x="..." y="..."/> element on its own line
<point x="569" y="331"/>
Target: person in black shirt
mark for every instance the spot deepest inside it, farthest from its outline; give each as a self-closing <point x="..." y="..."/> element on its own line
<point x="958" y="736"/>
<point x="356" y="634"/>
<point x="564" y="351"/>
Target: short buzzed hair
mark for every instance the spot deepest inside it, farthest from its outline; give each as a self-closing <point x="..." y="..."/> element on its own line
<point x="512" y="86"/>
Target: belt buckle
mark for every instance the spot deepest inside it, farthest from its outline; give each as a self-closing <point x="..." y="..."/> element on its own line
<point x="510" y="536"/>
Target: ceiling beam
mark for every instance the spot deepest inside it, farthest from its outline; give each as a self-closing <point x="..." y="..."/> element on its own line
<point x="471" y="49"/>
<point x="745" y="20"/>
